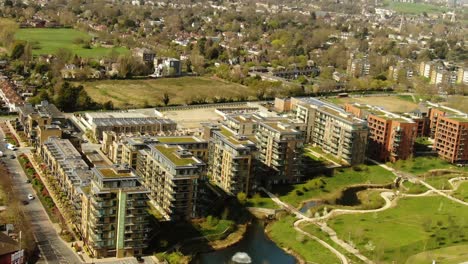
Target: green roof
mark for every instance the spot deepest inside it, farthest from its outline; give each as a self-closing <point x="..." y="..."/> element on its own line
<point x="177" y="140"/>
<point x="231" y="137"/>
<point x="110" y="173"/>
<point x="170" y="153"/>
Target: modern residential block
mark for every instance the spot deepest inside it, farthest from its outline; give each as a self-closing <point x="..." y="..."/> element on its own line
<point x="171" y="174"/>
<point x="391" y="136"/>
<point x="115" y="216"/>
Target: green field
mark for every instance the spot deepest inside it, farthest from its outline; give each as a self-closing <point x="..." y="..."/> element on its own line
<point x="421" y="165"/>
<point x="462" y="191"/>
<point x="448" y="255"/>
<point x="283" y="234"/>
<point x="416" y="225"/>
<point x="415" y="8"/>
<point x="49" y="40"/>
<point x="149" y="92"/>
<point x="330" y="187"/>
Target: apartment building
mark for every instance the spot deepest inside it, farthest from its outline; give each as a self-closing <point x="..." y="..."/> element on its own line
<point x="171" y="174"/>
<point x="31" y="118"/>
<point x="231" y="159"/>
<point x="124" y="150"/>
<point x="280" y="149"/>
<point x="391" y="136"/>
<point x="332" y="129"/>
<point x="451" y="138"/>
<point x="69" y="169"/>
<point x="358" y="67"/>
<point x="436" y="111"/>
<point x="402" y="68"/>
<point x="115" y="218"/>
<point x="462" y="75"/>
<point x="126" y="123"/>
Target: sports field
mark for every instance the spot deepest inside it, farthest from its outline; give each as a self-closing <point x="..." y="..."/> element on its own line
<point x="149" y="92"/>
<point x="49" y="40"/>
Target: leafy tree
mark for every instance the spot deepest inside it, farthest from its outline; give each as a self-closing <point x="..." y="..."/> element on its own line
<point x="17" y="50"/>
<point x="242" y="198"/>
<point x="166" y="99"/>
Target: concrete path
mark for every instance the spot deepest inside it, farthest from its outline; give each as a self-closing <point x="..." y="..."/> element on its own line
<point x="342" y="257"/>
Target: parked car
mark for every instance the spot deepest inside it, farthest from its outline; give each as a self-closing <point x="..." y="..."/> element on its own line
<point x="12" y="156"/>
<point x="30" y="197"/>
<point x="28" y="181"/>
<point x="25" y="202"/>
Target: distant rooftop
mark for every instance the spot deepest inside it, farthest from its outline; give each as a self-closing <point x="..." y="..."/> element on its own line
<point x="380" y="112"/>
<point x="233" y="138"/>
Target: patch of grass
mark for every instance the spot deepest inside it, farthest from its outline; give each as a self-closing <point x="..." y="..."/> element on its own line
<point x="49" y="40"/>
<point x="439" y="181"/>
<point x="415" y="225"/>
<point x="330" y="187"/>
<point x="414" y="188"/>
<point x="415" y="8"/>
<point x="261" y="200"/>
<point x="214" y="228"/>
<point x="324" y="161"/>
<point x="448" y="255"/>
<point x="149" y="92"/>
<point x="174" y="257"/>
<point x="283" y="234"/>
<point x="420" y="165"/>
<point x="462" y="191"/>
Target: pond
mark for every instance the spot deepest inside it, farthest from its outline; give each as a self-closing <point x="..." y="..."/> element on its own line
<point x="256" y="244"/>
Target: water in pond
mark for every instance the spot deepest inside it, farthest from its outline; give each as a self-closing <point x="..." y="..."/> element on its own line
<point x="256" y="244"/>
<point x="307" y="205"/>
<point x="349" y="195"/>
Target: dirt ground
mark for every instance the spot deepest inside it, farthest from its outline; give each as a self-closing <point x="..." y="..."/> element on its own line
<point x="389" y="103"/>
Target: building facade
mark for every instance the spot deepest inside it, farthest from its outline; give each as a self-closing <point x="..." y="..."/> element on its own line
<point x="231" y="158"/>
<point x="115" y="214"/>
<point x="332" y="129"/>
<point x="171" y="174"/>
<point x="391" y="136"/>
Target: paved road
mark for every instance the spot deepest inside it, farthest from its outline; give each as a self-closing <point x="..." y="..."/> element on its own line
<point x="53" y="249"/>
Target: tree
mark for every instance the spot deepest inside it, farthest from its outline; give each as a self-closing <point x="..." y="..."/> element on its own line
<point x="17" y="50"/>
<point x="242" y="198"/>
<point x="166" y="99"/>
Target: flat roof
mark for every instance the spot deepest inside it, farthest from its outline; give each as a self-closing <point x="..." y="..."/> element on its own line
<point x="171" y="153"/>
<point x="111" y="173"/>
<point x="232" y="138"/>
<point x="379" y="112"/>
<point x="181" y="139"/>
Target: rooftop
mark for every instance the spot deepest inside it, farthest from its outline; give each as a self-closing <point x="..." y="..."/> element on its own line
<point x="171" y="153"/>
<point x="234" y="139"/>
<point x="381" y="113"/>
<point x="181" y="139"/>
<point x="112" y="173"/>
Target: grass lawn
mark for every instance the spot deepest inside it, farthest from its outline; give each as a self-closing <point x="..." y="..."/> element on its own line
<point x="285" y="236"/>
<point x="416" y="8"/>
<point x="457" y="102"/>
<point x="330" y="187"/>
<point x="262" y="200"/>
<point x="448" y="255"/>
<point x="370" y="199"/>
<point x="415" y="225"/>
<point x="420" y="165"/>
<point x="390" y="103"/>
<point x="414" y="188"/>
<point x="462" y="191"/>
<point x="149" y="92"/>
<point x="49" y="40"/>
<point x="440" y="181"/>
<point x="324" y="154"/>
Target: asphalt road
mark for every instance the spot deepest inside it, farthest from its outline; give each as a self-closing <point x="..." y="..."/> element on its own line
<point x="52" y="248"/>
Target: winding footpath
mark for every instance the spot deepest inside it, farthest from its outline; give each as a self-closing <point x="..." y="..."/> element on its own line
<point x="390" y="201"/>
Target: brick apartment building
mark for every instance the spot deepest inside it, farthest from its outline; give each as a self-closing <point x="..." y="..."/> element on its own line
<point x="391" y="136"/>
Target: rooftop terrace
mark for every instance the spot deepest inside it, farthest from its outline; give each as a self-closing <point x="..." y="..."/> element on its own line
<point x="171" y="154"/>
